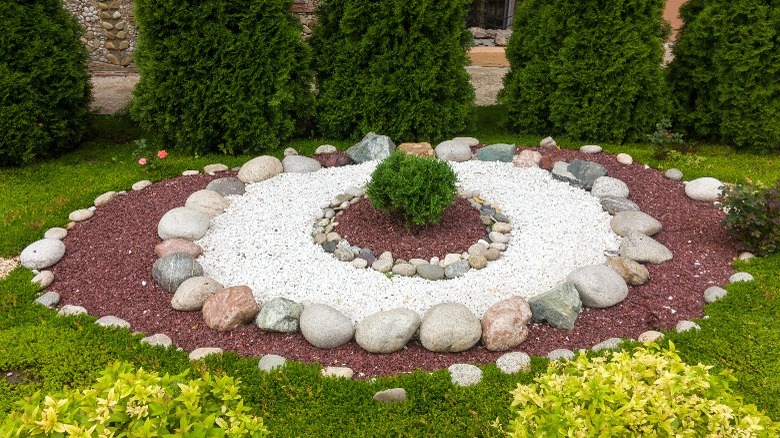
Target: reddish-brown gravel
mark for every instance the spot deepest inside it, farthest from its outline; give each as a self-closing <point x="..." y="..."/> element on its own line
<point x="110" y="256"/>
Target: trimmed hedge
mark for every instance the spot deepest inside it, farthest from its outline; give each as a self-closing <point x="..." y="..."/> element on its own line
<point x="44" y="84"/>
<point x="588" y="69"/>
<point x="229" y="76"/>
<point x="392" y="66"/>
<point x="725" y="75"/>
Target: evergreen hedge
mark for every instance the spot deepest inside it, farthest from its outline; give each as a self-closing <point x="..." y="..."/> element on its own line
<point x="589" y="69"/>
<point x="223" y="75"/>
<point x="725" y="75"/>
<point x="395" y="67"/>
<point x="44" y="84"/>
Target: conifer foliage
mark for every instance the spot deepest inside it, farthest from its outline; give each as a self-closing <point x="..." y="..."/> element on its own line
<point x="223" y="75"/>
<point x="589" y="69"/>
<point x="392" y="66"/>
<point x="725" y="76"/>
<point x="44" y="84"/>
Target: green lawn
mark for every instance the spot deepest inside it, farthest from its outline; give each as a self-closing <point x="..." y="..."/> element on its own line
<point x="742" y="333"/>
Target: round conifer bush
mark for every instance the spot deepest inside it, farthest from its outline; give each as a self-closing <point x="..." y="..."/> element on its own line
<point x="416" y="189"/>
<point x="44" y="83"/>
<point x="725" y="76"/>
<point x="590" y="69"/>
<point x="392" y="66"/>
<point x="229" y="75"/>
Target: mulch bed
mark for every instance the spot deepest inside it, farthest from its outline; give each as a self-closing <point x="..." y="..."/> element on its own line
<point x="109" y="261"/>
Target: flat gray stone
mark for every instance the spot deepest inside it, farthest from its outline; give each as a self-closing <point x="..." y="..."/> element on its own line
<point x="387" y="331"/>
<point x="209" y="201"/>
<point x="158" y="339"/>
<point x="497" y="152"/>
<point x="260" y="169"/>
<point x="105" y="198"/>
<point x="674" y="174"/>
<point x="704" y="189"/>
<point x="559" y="306"/>
<point x="714" y="293"/>
<point x="300" y="164"/>
<point x="457" y="269"/>
<point x="393" y="395"/>
<point x="43" y="279"/>
<point x="57" y="233"/>
<point x="560" y="171"/>
<point x="112" y="321"/>
<point x="371" y="147"/>
<point x="215" y="168"/>
<point x="561" y="354"/>
<point x="514" y="362"/>
<point x="325" y="327"/>
<point x="200" y="353"/>
<point x="270" y="362"/>
<point x="42" y="253"/>
<point x="599" y="286"/>
<point x="280" y="315"/>
<point x="172" y="270"/>
<point x="608" y="344"/>
<point x="462" y="374"/>
<point x="644" y="249"/>
<point x="382" y="265"/>
<point x="586" y="172"/>
<point x="740" y="276"/>
<point x="430" y="272"/>
<point x="140" y="185"/>
<point x="453" y="150"/>
<point x="608" y="186"/>
<point x="227" y="186"/>
<point x="185" y="223"/>
<point x="81" y="215"/>
<point x="405" y="269"/>
<point x="613" y="205"/>
<point x="449" y="328"/>
<point x="193" y="292"/>
<point x="626" y="221"/>
<point x="71" y="310"/>
<point x="49" y="299"/>
<point x="590" y="149"/>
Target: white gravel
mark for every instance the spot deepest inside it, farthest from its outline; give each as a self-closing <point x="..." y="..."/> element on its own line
<point x="263" y="240"/>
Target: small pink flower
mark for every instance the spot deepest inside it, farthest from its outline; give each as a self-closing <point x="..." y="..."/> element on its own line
<point x="162" y="154"/>
<point x="142" y="161"/>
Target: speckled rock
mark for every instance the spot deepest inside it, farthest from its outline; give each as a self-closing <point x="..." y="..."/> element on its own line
<point x="387" y="331"/>
<point x="613" y="205"/>
<point x="171" y="271"/>
<point x="514" y="362"/>
<point x="158" y="339"/>
<point x="371" y="147"/>
<point x="49" y="299"/>
<point x="449" y="327"/>
<point x="462" y="374"/>
<point x="608" y="344"/>
<point x="325" y="149"/>
<point x="280" y="315"/>
<point x="112" y="321"/>
<point x="230" y="308"/>
<point x="325" y="327"/>
<point x="714" y="293"/>
<point x="624" y="159"/>
<point x="684" y="326"/>
<point x="626" y="221"/>
<point x="271" y="362"/>
<point x="505" y="324"/>
<point x="561" y="354"/>
<point x="140" y="185"/>
<point x="71" y="310"/>
<point x="590" y="149"/>
<point x="608" y="186"/>
<point x="674" y="174"/>
<point x="649" y="336"/>
<point x="559" y="306"/>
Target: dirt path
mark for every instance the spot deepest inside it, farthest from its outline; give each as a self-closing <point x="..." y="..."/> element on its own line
<point x="111" y="92"/>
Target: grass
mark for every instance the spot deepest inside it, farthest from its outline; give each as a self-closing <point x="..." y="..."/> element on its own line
<point x="742" y="333"/>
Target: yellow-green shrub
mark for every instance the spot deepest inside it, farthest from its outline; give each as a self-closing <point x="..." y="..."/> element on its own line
<point x="644" y="393"/>
<point x="138" y="403"/>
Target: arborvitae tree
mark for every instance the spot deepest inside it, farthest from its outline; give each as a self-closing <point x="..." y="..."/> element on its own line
<point x="44" y="83"/>
<point x="395" y="67"/>
<point x="222" y="75"/>
<point x="725" y="75"/>
<point x="589" y="69"/>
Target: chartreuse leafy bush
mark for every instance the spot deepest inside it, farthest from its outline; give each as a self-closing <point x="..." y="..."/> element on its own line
<point x="133" y="402"/>
<point x="590" y="69"/>
<point x="418" y="189"/>
<point x="649" y="392"/>
<point x="725" y="76"/>
<point x="753" y="216"/>
<point x="392" y="66"/>
<point x="228" y="76"/>
<point x="44" y="85"/>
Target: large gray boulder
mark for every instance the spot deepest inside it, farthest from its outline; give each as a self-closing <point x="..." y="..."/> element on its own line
<point x="325" y="327"/>
<point x="704" y="189"/>
<point x="184" y="222"/>
<point x="260" y="168"/>
<point x="42" y="254"/>
<point x="193" y="292"/>
<point x="559" y="306"/>
<point x="644" y="249"/>
<point x="372" y="147"/>
<point x="300" y="164"/>
<point x="586" y="172"/>
<point x="626" y="221"/>
<point x="497" y="152"/>
<point x="280" y="315"/>
<point x="172" y="270"/>
<point x="227" y="186"/>
<point x="560" y="171"/>
<point x="208" y="201"/>
<point x="599" y="286"/>
<point x="608" y="186"/>
<point x="387" y="331"/>
<point x="453" y="150"/>
<point x="449" y="328"/>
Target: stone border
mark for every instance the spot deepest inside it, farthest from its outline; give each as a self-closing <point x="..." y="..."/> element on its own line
<point x="509" y="362"/>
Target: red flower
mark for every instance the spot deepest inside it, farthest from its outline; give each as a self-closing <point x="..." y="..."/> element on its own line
<point x="162" y="154"/>
<point x="142" y="161"/>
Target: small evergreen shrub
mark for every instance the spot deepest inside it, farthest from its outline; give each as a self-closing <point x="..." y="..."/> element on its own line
<point x="725" y="76"/>
<point x="753" y="216"/>
<point x="590" y="70"/>
<point x="129" y="402"/>
<point x="647" y="393"/>
<point x="44" y="84"/>
<point x="229" y="76"/>
<point x="418" y="189"/>
<point x="663" y="140"/>
<point x="395" y="67"/>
